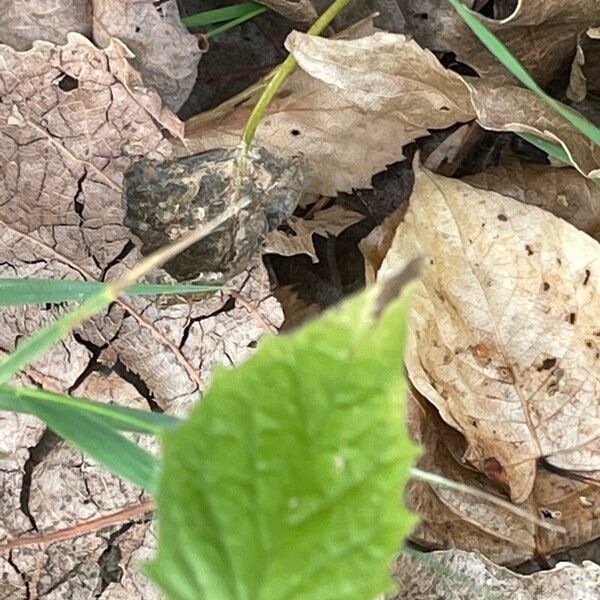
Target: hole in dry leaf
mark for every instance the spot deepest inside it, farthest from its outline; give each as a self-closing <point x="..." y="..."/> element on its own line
<point x="587" y="276"/>
<point x="137" y="28"/>
<point x="547" y="363"/>
<point x="295" y="132"/>
<point x="423" y="16"/>
<point x="546" y="286"/>
<point x="502" y="217"/>
<point x="68" y="83"/>
<point x="572" y="318"/>
<point x="444" y="108"/>
<point x="529" y="250"/>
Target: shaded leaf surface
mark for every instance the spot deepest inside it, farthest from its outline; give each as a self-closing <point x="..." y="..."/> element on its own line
<point x="512" y="108"/>
<point x="450" y="517"/>
<point x="561" y="191"/>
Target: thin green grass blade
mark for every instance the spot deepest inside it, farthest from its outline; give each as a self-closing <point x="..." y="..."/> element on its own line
<point x="120" y="418"/>
<point x="109" y="447"/>
<point x="501" y="52"/>
<point x="219" y="15"/>
<point x="550" y="148"/>
<point x="236" y="22"/>
<point x="39" y="341"/>
<point x="17" y="292"/>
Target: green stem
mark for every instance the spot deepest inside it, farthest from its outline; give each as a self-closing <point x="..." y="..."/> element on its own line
<point x="286" y="67"/>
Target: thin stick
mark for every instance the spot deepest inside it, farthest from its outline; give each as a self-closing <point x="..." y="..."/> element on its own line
<point x="83" y="528"/>
<point x="491" y="498"/>
<point x="130" y="512"/>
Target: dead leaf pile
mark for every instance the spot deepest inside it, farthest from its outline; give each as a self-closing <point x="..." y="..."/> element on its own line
<point x="504" y="347"/>
<point x="163" y="51"/>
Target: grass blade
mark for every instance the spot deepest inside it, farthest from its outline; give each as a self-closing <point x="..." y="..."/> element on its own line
<point x="235" y="22"/>
<point x="219" y="15"/>
<point x="120" y="418"/>
<point x="35" y="345"/>
<point x="17" y="292"/>
<point x="92" y="436"/>
<point x="501" y="52"/>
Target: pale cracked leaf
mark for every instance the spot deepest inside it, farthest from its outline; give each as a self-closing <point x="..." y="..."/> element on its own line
<point x="328" y="222"/>
<point x="452" y="518"/>
<point x="563" y="192"/>
<point x="457" y="575"/>
<point x="72" y="120"/>
<point x="165" y="53"/>
<point x="24" y="21"/>
<point x="513" y="108"/>
<point x="542" y="34"/>
<point x="386" y="72"/>
<point x="345" y="140"/>
<point x="505" y="333"/>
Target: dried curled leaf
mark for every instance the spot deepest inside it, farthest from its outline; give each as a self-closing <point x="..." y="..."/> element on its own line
<point x="24" y="21"/>
<point x="386" y="72"/>
<point x="513" y="108"/>
<point x="328" y="222"/>
<point x="165" y="53"/>
<point x="542" y="34"/>
<point x="505" y="340"/>
<point x="347" y="128"/>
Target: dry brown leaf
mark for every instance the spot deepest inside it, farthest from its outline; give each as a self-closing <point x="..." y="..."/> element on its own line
<point x="329" y="222"/>
<point x="457" y="575"/>
<point x="512" y="108"/>
<point x="72" y="119"/>
<point x="542" y="34"/>
<point x="505" y="332"/>
<point x="452" y="518"/>
<point x="345" y="138"/>
<point x="24" y="21"/>
<point x="376" y="245"/>
<point x="295" y="10"/>
<point x="296" y="310"/>
<point x="166" y="54"/>
<point x="563" y="192"/>
<point x="586" y="67"/>
<point x="386" y="72"/>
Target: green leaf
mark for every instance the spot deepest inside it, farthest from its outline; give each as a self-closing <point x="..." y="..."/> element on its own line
<point x="120" y="418"/>
<point x="286" y="480"/>
<point x="219" y="15"/>
<point x="503" y="54"/>
<point x="16" y="292"/>
<point x="94" y="437"/>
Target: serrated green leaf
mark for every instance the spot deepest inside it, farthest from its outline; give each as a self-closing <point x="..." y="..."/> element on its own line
<point x="286" y="480"/>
